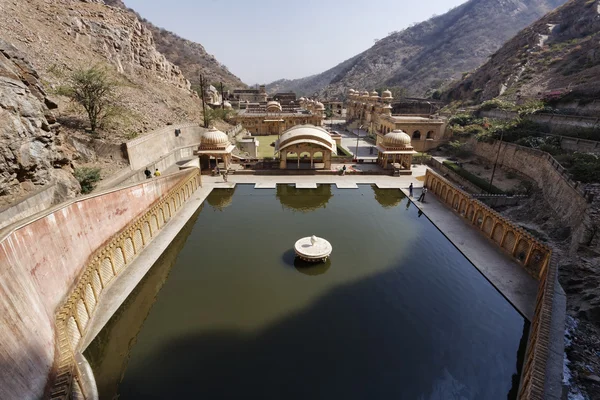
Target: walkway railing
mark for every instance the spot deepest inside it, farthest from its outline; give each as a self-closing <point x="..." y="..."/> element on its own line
<point x="536" y="258"/>
<point x="103" y="266"/>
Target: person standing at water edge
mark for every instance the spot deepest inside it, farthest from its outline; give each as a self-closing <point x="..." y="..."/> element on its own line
<point x="344" y="170"/>
<point x="422" y="196"/>
<point x="148" y="173"/>
<point x="157" y="172"/>
<point x="410" y="190"/>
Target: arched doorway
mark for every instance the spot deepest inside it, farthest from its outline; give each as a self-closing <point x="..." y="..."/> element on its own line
<point x="416" y="135"/>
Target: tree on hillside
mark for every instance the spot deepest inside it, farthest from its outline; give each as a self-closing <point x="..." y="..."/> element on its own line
<point x="95" y="91"/>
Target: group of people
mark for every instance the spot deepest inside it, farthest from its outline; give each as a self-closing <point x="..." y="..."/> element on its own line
<point x="148" y="173"/>
<point x="423" y="193"/>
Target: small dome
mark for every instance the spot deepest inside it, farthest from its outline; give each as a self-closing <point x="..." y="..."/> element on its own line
<point x="319" y="106"/>
<point x="387" y="94"/>
<point x="227" y="104"/>
<point x="397" y="138"/>
<point x="214" y="137"/>
<point x="364" y="93"/>
<point x="302" y="99"/>
<point x="351" y="91"/>
<point x="273" y="106"/>
<point x="374" y="93"/>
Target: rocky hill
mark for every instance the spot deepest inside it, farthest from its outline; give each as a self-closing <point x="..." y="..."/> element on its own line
<point x="428" y="55"/>
<point x="191" y="57"/>
<point x="44" y="42"/>
<point x="557" y="56"/>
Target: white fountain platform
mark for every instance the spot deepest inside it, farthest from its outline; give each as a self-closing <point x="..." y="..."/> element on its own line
<point x="313" y="249"/>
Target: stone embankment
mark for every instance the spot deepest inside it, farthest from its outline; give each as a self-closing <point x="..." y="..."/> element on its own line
<point x="539" y="378"/>
<point x="48" y="301"/>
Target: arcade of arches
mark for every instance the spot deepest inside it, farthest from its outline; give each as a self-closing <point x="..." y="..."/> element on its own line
<point x="512" y="239"/>
<point x="314" y="143"/>
<point x="374" y="112"/>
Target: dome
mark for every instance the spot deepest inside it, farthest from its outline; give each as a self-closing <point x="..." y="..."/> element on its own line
<point x="227" y="104"/>
<point x="374" y="94"/>
<point x="214" y="138"/>
<point x="396" y="138"/>
<point x="273" y="106"/>
<point x="351" y="91"/>
<point x="302" y="99"/>
<point x="319" y="106"/>
<point x="387" y="94"/>
<point x="364" y="93"/>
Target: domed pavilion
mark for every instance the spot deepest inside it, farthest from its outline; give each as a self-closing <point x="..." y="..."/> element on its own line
<point x="396" y="151"/>
<point x="310" y="141"/>
<point x="215" y="144"/>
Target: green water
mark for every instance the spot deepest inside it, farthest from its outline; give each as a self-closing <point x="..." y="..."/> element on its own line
<point x="397" y="312"/>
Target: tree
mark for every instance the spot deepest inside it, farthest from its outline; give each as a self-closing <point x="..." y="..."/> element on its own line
<point x="95" y="91"/>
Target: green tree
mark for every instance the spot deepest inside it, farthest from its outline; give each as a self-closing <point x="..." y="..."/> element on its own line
<point x="95" y="91"/>
<point x="87" y="178"/>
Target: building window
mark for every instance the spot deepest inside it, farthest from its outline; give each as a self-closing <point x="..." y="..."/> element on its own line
<point x="430" y="135"/>
<point x="416" y="135"/>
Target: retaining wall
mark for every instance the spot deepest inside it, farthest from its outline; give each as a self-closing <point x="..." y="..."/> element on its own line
<point x="566" y="197"/>
<point x="149" y="148"/>
<point x="37" y="202"/>
<point x="555" y="121"/>
<point x="42" y="262"/>
<point x="539" y="262"/>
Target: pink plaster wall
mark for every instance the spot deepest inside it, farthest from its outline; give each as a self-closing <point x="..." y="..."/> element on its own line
<point x="39" y="263"/>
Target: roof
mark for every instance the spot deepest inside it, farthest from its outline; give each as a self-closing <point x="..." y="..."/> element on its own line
<point x="306" y="134"/>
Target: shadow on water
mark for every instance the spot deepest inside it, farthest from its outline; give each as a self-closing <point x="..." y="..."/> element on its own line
<point x="299" y="357"/>
<point x="109" y="352"/>
<point x="303" y="200"/>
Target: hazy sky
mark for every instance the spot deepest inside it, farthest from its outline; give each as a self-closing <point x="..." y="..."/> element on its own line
<point x="264" y="40"/>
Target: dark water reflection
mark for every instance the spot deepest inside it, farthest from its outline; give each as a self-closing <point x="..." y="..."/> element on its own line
<point x="397" y="312"/>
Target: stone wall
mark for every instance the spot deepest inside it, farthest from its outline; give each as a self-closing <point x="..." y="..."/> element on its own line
<point x="149" y="148"/>
<point x="556" y="122"/>
<point x="564" y="196"/>
<point x="41" y="262"/>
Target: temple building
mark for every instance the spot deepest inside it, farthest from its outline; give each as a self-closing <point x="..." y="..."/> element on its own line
<point x="306" y="142"/>
<point x="214" y="144"/>
<point x="374" y="114"/>
<point x="395" y="150"/>
<point x="249" y="95"/>
<point x="273" y="118"/>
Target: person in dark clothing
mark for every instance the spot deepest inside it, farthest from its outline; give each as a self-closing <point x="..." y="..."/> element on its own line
<point x="148" y="173"/>
<point x="410" y="190"/>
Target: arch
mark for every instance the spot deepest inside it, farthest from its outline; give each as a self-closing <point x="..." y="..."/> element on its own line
<point x="90" y="298"/>
<point x="455" y="201"/>
<point x="497" y="233"/>
<point x="147" y="231"/>
<point x="449" y="195"/>
<point x="488" y="225"/>
<point x="478" y="218"/>
<point x="106" y="271"/>
<point x="416" y="135"/>
<point x="129" y="250"/>
<point x="443" y="193"/>
<point x="82" y="314"/>
<point x="118" y="259"/>
<point x="177" y="201"/>
<point x="154" y="222"/>
<point x="173" y="206"/>
<point x="96" y="283"/>
<point x="166" y="212"/>
<point x="509" y="241"/>
<point x="138" y="240"/>
<point x="536" y="260"/>
<point x="463" y="206"/>
<point x="470" y="211"/>
<point x="430" y="135"/>
<point x="73" y="333"/>
<point x="522" y="249"/>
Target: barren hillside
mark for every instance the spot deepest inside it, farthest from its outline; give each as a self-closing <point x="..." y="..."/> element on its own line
<point x="559" y="55"/>
<point x="426" y="56"/>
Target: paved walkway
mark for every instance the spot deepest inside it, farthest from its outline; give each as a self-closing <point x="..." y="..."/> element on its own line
<point x="506" y="275"/>
<point x="349" y="141"/>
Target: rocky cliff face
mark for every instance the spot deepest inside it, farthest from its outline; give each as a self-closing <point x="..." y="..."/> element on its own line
<point x="429" y="54"/>
<point x="30" y="151"/>
<point x="191" y="57"/>
<point x="557" y="56"/>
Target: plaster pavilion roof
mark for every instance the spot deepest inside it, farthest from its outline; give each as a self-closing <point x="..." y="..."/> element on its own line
<point x="306" y="134"/>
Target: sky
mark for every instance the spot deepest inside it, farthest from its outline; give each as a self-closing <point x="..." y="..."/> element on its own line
<point x="261" y="41"/>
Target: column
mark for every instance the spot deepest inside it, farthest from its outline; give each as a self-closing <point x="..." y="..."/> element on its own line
<point x="283" y="160"/>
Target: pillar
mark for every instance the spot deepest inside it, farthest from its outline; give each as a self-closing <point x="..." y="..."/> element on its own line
<point x="311" y="159"/>
<point x="283" y="160"/>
